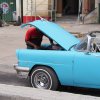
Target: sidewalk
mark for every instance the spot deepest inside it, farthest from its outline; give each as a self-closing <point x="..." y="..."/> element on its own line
<point x="73" y="25"/>
<point x="25" y="93"/>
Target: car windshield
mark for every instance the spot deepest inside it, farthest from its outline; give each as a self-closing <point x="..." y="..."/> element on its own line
<point x="93" y="44"/>
<point x="82" y="46"/>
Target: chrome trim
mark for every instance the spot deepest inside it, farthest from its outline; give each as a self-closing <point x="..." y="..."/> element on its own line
<point x="89" y="43"/>
<point x="21" y="69"/>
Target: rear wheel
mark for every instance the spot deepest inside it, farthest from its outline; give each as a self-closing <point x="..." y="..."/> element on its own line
<point x="43" y="77"/>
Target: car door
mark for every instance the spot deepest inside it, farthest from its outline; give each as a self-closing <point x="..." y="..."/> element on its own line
<point x="63" y="65"/>
<point x="87" y="69"/>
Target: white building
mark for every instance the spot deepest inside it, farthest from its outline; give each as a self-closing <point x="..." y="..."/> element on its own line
<point x="29" y="10"/>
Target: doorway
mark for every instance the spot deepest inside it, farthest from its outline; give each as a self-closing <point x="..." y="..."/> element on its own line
<point x="70" y="7"/>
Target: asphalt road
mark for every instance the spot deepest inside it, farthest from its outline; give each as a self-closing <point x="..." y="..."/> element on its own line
<point x="12" y="38"/>
<point x="12" y="79"/>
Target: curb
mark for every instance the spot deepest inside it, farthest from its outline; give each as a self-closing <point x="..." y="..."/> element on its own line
<point x="10" y="92"/>
<point x="13" y="97"/>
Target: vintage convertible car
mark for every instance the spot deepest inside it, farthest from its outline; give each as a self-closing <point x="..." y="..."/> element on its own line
<point x="74" y="63"/>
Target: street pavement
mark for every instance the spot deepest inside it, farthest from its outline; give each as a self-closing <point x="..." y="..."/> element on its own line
<point x="12" y="38"/>
<point x="72" y="24"/>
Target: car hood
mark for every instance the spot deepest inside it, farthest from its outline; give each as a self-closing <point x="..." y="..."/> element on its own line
<point x="55" y="32"/>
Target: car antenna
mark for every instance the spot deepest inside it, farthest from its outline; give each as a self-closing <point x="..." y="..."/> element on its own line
<point x="42" y="19"/>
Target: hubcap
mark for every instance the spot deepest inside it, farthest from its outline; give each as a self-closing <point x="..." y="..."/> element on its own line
<point x="42" y="80"/>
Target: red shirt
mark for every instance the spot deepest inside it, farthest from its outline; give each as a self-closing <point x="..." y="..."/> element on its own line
<point x="32" y="33"/>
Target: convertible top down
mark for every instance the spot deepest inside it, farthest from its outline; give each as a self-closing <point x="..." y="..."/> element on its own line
<point x="77" y="64"/>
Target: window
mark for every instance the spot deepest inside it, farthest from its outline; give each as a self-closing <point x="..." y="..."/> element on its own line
<point x="82" y="46"/>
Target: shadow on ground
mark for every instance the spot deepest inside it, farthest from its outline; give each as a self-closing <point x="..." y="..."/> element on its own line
<point x="13" y="79"/>
<point x="82" y="91"/>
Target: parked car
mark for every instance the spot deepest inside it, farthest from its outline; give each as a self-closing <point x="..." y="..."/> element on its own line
<point x="74" y="63"/>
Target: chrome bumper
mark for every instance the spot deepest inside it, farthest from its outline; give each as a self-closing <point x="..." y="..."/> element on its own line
<point x="21" y="71"/>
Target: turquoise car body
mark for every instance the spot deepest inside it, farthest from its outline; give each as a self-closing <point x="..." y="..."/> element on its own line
<point x="72" y="67"/>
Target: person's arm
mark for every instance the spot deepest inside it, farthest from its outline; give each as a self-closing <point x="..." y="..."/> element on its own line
<point x="51" y="41"/>
<point x="32" y="44"/>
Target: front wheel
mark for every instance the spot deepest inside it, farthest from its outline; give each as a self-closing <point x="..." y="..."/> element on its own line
<point x="44" y="78"/>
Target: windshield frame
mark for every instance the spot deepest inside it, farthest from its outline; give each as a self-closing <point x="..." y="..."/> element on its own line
<point x="86" y="39"/>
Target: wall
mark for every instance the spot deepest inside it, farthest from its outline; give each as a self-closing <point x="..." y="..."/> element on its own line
<point x="59" y="8"/>
<point x="96" y="3"/>
<point x="92" y="15"/>
<point x="18" y="9"/>
<point x="9" y="10"/>
<point x="30" y="11"/>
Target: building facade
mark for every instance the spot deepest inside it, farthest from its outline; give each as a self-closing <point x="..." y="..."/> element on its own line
<point x="29" y="10"/>
<point x="35" y="8"/>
